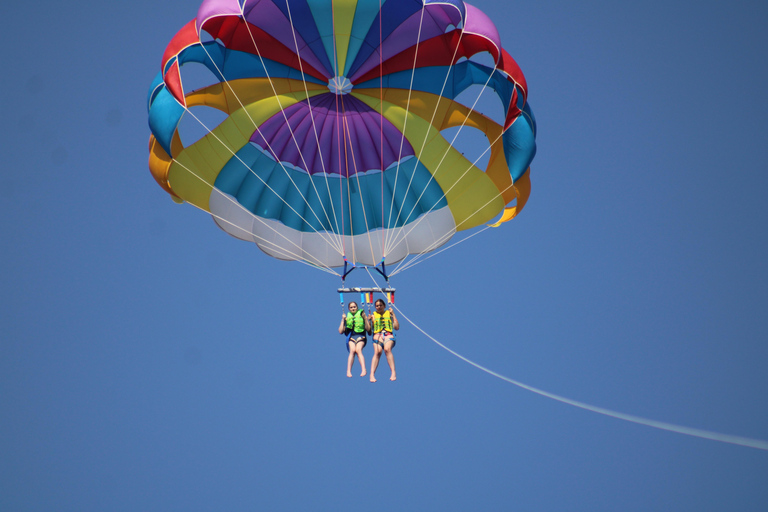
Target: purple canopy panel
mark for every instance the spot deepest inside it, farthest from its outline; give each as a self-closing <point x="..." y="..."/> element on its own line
<point x="436" y="19"/>
<point x="268" y="17"/>
<point x="360" y="129"/>
<point x="212" y="8"/>
<point x="478" y="22"/>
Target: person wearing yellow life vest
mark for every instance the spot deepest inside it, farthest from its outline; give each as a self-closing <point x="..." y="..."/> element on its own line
<point x="384" y="323"/>
<point x="355" y="324"/>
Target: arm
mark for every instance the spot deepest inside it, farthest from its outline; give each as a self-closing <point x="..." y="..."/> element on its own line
<point x="395" y="323"/>
<point x="367" y="322"/>
<point x="343" y="324"/>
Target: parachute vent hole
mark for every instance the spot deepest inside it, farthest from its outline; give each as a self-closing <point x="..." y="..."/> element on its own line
<point x="470" y="142"/>
<point x="192" y="130"/>
<point x="195" y="76"/>
<point x="483" y="100"/>
<point x="484" y="58"/>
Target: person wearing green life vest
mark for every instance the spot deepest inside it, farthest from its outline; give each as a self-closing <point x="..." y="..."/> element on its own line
<point x="355" y="324"/>
<point x="384" y="323"/>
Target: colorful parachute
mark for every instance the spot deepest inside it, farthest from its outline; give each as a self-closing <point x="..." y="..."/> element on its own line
<point x="331" y="147"/>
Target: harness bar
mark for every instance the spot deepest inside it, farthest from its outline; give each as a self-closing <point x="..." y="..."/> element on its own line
<point x="363" y="290"/>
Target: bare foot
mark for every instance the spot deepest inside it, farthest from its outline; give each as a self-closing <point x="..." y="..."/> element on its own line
<point x="364" y="373"/>
<point x="393" y="377"/>
<point x="373" y="379"/>
<point x="349" y="374"/>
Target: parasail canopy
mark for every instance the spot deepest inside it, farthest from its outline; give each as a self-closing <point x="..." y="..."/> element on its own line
<point x="334" y="142"/>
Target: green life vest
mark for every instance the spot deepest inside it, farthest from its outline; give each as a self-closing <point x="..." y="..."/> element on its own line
<point x="356" y="322"/>
<point x="382" y="322"/>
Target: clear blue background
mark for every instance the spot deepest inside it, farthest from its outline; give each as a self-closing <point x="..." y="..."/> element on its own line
<point x="150" y="362"/>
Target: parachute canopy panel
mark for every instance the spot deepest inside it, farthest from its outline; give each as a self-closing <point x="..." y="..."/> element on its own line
<point x="332" y="143"/>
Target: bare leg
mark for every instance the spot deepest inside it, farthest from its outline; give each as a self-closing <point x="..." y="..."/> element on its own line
<point x="390" y="359"/>
<point x="375" y="360"/>
<point x="351" y="358"/>
<point x="359" y="351"/>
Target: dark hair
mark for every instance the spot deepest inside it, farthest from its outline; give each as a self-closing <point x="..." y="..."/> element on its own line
<point x="353" y="302"/>
<point x="380" y="300"/>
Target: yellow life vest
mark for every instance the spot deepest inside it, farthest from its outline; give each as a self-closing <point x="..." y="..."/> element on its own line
<point x="382" y="322"/>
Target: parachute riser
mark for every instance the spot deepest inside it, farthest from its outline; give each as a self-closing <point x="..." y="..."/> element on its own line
<point x="366" y="293"/>
<point x="347" y="271"/>
<point x="349" y="268"/>
<point x="382" y="271"/>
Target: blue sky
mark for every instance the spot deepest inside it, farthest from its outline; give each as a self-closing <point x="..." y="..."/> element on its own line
<point x="150" y="362"/>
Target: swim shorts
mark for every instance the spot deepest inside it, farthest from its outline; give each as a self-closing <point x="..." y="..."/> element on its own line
<point x="383" y="337"/>
<point x="357" y="337"/>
